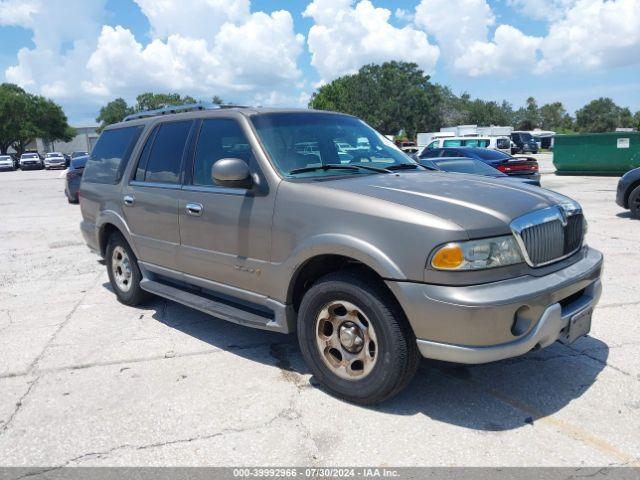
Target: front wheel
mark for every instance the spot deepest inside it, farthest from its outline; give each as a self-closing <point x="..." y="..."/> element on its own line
<point x="355" y="338"/>
<point x="124" y="273"/>
<point x="634" y="203"/>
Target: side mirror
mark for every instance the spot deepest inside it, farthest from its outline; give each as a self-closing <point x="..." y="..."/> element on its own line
<point x="232" y="173"/>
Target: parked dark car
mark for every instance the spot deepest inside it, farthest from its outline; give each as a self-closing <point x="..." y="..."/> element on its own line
<point x="628" y="195"/>
<point x="471" y="166"/>
<point x="524" y="142"/>
<point x="511" y="166"/>
<point x="74" y="175"/>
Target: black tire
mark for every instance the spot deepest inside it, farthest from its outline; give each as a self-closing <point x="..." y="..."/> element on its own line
<point x="134" y="295"/>
<point x="397" y="351"/>
<point x="634" y="203"/>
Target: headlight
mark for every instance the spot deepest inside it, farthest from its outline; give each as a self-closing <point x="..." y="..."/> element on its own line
<point x="477" y="254"/>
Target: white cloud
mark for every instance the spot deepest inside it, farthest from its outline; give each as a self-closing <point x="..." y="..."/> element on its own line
<point x="256" y="56"/>
<point x="541" y="9"/>
<point x="594" y="34"/>
<point x="403" y="15"/>
<point x="214" y="47"/>
<point x="195" y="18"/>
<point x="510" y="51"/>
<point x="344" y="38"/>
<point x="455" y="24"/>
<point x="18" y="12"/>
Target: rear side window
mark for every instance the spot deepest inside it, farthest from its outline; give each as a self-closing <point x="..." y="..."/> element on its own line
<point x="110" y="155"/>
<point x="165" y="155"/>
<point x="452" y="143"/>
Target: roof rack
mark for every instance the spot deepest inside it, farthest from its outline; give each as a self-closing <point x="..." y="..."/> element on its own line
<point x="169" y="109"/>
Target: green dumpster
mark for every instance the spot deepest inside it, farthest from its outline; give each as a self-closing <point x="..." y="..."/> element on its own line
<point x="596" y="153"/>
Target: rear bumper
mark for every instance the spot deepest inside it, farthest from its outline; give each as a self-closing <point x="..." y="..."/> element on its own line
<point x="488" y="322"/>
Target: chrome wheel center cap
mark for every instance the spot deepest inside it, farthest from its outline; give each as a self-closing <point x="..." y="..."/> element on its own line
<point x="350" y="337"/>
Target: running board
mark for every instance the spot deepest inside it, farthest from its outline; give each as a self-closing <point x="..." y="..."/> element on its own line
<point x="212" y="307"/>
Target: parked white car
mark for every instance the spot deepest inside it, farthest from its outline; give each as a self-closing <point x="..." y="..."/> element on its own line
<point x="6" y="162"/>
<point x="54" y="160"/>
<point x="30" y="161"/>
<point x="495" y="143"/>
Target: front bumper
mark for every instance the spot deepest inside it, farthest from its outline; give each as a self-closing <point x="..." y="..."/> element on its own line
<point x="494" y="321"/>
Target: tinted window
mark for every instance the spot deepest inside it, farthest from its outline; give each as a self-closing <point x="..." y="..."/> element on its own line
<point x="111" y="154"/>
<point x="452" y="143"/>
<point x="503" y="143"/>
<point x="487" y="154"/>
<point x="475" y="142"/>
<point x="144" y="156"/>
<point x="429" y="153"/>
<point x="165" y="158"/>
<point x="465" y="165"/>
<point x="218" y="139"/>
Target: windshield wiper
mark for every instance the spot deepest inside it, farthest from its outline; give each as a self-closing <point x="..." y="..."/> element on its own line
<point x="333" y="166"/>
<point x="404" y="166"/>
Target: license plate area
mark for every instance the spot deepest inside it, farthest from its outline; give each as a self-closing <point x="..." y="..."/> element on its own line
<point x="579" y="325"/>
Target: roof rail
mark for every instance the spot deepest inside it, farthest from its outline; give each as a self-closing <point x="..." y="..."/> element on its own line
<point x="169" y="109"/>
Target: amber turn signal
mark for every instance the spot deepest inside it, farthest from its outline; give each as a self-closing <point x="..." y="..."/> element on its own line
<point x="448" y="257"/>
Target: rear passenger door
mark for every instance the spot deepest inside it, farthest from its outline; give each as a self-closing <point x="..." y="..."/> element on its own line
<point x="151" y="197"/>
<point x="225" y="232"/>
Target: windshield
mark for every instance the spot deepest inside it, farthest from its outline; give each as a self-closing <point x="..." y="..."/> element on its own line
<point x="525" y="137"/>
<point x="465" y="165"/>
<point x="78" y="154"/>
<point x="488" y="154"/>
<point x="50" y="155"/>
<point x="30" y="155"/>
<point x="297" y="142"/>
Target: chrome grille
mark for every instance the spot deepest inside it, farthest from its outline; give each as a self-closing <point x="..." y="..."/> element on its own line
<point x="546" y="236"/>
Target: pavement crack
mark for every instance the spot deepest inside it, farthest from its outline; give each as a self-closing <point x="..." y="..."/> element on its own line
<point x="66" y="320"/>
<point x="19" y="405"/>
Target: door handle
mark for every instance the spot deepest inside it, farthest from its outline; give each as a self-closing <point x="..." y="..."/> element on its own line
<point x="194" y="209"/>
<point x="128" y="199"/>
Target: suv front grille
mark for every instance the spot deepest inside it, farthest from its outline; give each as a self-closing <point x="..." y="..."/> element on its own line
<point x="546" y="236"/>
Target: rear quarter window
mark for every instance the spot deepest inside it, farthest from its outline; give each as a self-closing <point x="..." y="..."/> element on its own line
<point x="111" y="154"/>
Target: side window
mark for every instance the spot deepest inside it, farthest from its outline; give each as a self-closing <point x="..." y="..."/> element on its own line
<point x="452" y="143"/>
<point x="144" y="156"/>
<point x="430" y="153"/>
<point x="433" y="145"/>
<point x="165" y="157"/>
<point x="223" y="138"/>
<point x="502" y="143"/>
<point x="110" y="155"/>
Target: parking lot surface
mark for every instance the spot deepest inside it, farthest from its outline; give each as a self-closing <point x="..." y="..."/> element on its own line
<point x="85" y="380"/>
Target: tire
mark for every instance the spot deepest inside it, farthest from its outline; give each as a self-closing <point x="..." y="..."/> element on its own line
<point x="634" y="203"/>
<point x="123" y="270"/>
<point x="395" y="353"/>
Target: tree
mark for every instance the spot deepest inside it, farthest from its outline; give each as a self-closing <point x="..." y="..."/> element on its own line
<point x="528" y="118"/>
<point x="113" y="112"/>
<point x="602" y="115"/>
<point x="24" y="117"/>
<point x="152" y="101"/>
<point x="636" y="120"/>
<point x="390" y="97"/>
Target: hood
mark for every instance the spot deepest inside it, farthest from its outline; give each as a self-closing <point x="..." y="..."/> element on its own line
<point x="483" y="206"/>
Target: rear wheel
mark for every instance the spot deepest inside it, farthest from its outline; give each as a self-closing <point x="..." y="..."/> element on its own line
<point x="124" y="273"/>
<point x="634" y="203"/>
<point x="355" y="338"/>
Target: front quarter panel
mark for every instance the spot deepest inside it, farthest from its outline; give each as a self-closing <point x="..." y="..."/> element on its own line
<point x="393" y="240"/>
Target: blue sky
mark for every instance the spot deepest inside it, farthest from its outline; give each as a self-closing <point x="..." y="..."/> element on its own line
<point x="83" y="53"/>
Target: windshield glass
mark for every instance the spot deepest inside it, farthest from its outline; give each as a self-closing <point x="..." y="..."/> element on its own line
<point x="50" y="155"/>
<point x="30" y="155"/>
<point x="297" y="141"/>
<point x="525" y="137"/>
<point x="465" y="165"/>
